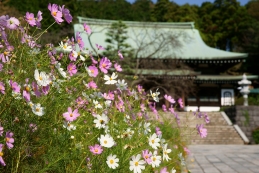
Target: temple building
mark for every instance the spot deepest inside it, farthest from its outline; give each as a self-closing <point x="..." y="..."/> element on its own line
<point x="175" y="51"/>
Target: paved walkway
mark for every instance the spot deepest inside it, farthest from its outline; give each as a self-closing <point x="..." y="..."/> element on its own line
<point x="224" y="159"/>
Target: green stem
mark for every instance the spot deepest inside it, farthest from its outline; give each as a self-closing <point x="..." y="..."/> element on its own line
<point x="44" y="31"/>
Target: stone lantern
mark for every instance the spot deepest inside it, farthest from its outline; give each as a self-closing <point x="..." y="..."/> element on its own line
<point x="245" y="89"/>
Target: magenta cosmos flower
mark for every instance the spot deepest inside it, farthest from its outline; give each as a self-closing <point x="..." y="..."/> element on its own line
<point x="15" y="86"/>
<point x="55" y="13"/>
<point x="9" y="139"/>
<point x="87" y="28"/>
<point x="12" y="23"/>
<point x="2" y="88"/>
<point x="105" y="65"/>
<point x="71" y="115"/>
<point x="147" y="156"/>
<point x="180" y="101"/>
<point x="120" y="54"/>
<point x="96" y="149"/>
<point x="92" y="71"/>
<point x="1" y="155"/>
<point x="169" y="98"/>
<point x="71" y="68"/>
<point x="117" y="67"/>
<point x="30" y="19"/>
<point x="66" y="14"/>
<point x="79" y="41"/>
<point x="38" y="19"/>
<point x="202" y="131"/>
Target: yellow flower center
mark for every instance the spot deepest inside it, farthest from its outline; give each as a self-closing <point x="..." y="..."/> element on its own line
<point x="101" y="122"/>
<point x="153" y="141"/>
<point x="96" y="150"/>
<point x="54" y="13"/>
<point x="136" y="163"/>
<point x="40" y="78"/>
<point x="65" y="46"/>
<point x="1" y="154"/>
<point x="154" y="159"/>
<point x="37" y="109"/>
<point x="105" y="142"/>
<point x="27" y="88"/>
<point x="7" y="139"/>
<point x="5" y="53"/>
<point x="71" y="115"/>
<point x="103" y="65"/>
<point x="111" y="161"/>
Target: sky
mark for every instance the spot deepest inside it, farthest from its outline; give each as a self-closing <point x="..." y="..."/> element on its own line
<point x="196" y="2"/>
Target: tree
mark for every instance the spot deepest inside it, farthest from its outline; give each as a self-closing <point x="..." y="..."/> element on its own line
<point x="116" y="39"/>
<point x="141" y="10"/>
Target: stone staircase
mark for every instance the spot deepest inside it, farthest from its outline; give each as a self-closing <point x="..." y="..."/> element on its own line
<point x="219" y="131"/>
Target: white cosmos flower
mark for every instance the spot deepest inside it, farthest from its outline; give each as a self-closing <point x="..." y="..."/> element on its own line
<point x="61" y="70"/>
<point x="108" y="103"/>
<point x="112" y="161"/>
<point x="69" y="126"/>
<point x="156" y="160"/>
<point x="173" y="171"/>
<point x="42" y="78"/>
<point x="110" y="80"/>
<point x="137" y="165"/>
<point x="147" y="128"/>
<point x="38" y="110"/>
<point x="165" y="153"/>
<point x="121" y="85"/>
<point x="106" y="141"/>
<point x="97" y="105"/>
<point x="82" y="58"/>
<point x="101" y="121"/>
<point x="74" y="54"/>
<point x="65" y="47"/>
<point x="155" y="95"/>
<point x="154" y="141"/>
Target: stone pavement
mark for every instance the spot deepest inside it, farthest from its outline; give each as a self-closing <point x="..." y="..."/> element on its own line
<point x="224" y="159"/>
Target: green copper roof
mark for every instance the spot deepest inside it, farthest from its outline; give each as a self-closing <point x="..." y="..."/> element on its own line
<point x="163" y="40"/>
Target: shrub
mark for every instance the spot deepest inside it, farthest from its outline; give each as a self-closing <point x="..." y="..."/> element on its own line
<point x="66" y="110"/>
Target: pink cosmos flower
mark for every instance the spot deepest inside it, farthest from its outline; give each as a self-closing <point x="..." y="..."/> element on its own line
<point x="71" y="68"/>
<point x="35" y="89"/>
<point x="12" y="23"/>
<point x="93" y="60"/>
<point x="164" y="108"/>
<point x="1" y="130"/>
<point x="66" y="14"/>
<point x="108" y="96"/>
<point x="1" y="154"/>
<point x="186" y="150"/>
<point x="202" y="131"/>
<point x="5" y="56"/>
<point x="147" y="156"/>
<point x="26" y="95"/>
<point x="180" y="101"/>
<point x="87" y="28"/>
<point x="45" y="89"/>
<point x="169" y="98"/>
<point x="117" y="67"/>
<point x="2" y="88"/>
<point x="71" y="115"/>
<point x="164" y="170"/>
<point x="92" y="85"/>
<point x="158" y="131"/>
<point x="206" y="117"/>
<point x="15" y="87"/>
<point x="92" y="71"/>
<point x="120" y="106"/>
<point x="9" y="139"/>
<point x="171" y="109"/>
<point x="99" y="47"/>
<point x="105" y="65"/>
<point x="120" y="55"/>
<point x="38" y="19"/>
<point x="55" y="13"/>
<point x="96" y="149"/>
<point x="79" y="40"/>
<point x="30" y="19"/>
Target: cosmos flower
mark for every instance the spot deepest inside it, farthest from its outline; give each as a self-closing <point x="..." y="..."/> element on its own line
<point x="112" y="161"/>
<point x="55" y="13"/>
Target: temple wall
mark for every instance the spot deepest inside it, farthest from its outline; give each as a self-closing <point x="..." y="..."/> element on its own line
<point x="247" y="118"/>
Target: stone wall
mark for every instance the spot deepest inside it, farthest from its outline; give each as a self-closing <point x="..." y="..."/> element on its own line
<point x="247" y="118"/>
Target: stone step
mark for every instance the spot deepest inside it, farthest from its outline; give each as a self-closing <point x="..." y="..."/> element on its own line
<point x="217" y="142"/>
